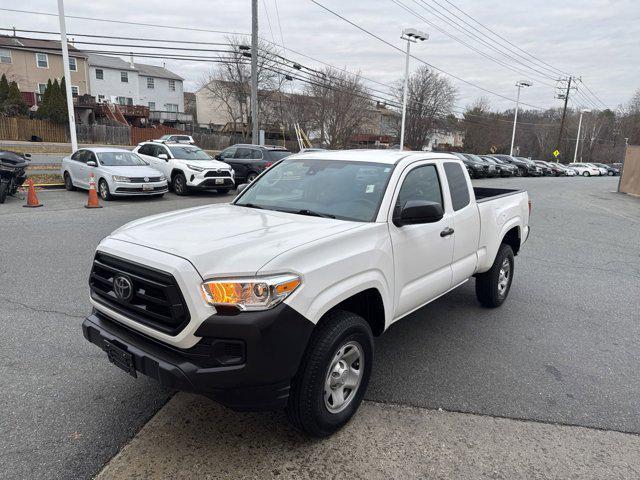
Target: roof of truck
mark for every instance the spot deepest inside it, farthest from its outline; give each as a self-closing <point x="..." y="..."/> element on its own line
<point x="367" y="155"/>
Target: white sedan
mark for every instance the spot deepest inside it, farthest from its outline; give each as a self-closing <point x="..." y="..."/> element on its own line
<point x="585" y="169"/>
<point x="117" y="172"/>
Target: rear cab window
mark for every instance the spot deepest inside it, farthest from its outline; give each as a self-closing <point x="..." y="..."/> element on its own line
<point x="458" y="186"/>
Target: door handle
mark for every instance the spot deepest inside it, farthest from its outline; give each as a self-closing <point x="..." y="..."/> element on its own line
<point x="446" y="232"/>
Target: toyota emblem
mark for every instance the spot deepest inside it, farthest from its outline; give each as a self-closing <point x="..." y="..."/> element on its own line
<point x="146" y="179"/>
<point x="123" y="288"/>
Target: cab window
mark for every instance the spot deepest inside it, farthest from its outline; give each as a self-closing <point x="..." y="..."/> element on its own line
<point x="421" y="183"/>
<point x="458" y="187"/>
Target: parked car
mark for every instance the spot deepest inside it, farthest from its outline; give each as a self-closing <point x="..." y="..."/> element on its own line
<point x="515" y="171"/>
<point x="13" y="168"/>
<point x="187" y="167"/>
<point x="603" y="171"/>
<point x="566" y="171"/>
<point x="504" y="169"/>
<point x="585" y="169"/>
<point x="611" y="170"/>
<point x="274" y="300"/>
<point x="548" y="169"/>
<point x="177" y="139"/>
<point x="525" y="167"/>
<point x="249" y="161"/>
<point x="117" y="172"/>
<point x="538" y="169"/>
<point x="474" y="168"/>
<point x="490" y="168"/>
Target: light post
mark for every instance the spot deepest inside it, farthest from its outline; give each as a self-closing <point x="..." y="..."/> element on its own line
<point x="575" y="153"/>
<point x="411" y="35"/>
<point x="519" y="84"/>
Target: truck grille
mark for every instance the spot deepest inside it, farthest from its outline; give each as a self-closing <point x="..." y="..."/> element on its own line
<point x="155" y="299"/>
<point x="217" y="173"/>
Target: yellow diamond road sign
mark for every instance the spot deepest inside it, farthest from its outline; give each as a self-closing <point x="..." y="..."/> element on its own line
<point x="556" y="153"/>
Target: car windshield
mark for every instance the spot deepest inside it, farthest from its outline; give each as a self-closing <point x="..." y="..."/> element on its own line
<point x="189" y="153"/>
<point x="332" y="188"/>
<point x="165" y="137"/>
<point x="279" y="154"/>
<point x="120" y="159"/>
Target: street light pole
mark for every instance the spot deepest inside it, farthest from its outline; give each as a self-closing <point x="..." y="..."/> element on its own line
<point x="254" y="73"/>
<point x="575" y="153"/>
<point x="67" y="76"/>
<point x="520" y="84"/>
<point x="411" y="35"/>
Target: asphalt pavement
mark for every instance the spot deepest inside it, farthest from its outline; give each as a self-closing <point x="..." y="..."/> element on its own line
<point x="563" y="349"/>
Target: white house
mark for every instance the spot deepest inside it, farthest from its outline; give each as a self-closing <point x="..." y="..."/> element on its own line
<point x="128" y="83"/>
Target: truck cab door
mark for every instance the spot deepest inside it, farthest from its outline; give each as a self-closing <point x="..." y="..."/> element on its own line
<point x="422" y="252"/>
<point x="466" y="224"/>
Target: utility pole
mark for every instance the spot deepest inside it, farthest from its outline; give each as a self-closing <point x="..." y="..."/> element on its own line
<point x="575" y="153"/>
<point x="519" y="84"/>
<point x="254" y="73"/>
<point x="564" y="113"/>
<point x="67" y="76"/>
<point x="411" y="35"/>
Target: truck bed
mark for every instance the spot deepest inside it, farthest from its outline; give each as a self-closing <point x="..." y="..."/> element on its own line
<point x="484" y="194"/>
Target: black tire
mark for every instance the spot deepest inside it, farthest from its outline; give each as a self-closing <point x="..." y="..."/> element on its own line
<point x="179" y="184"/>
<point x="251" y="176"/>
<point x="307" y="409"/>
<point x="4" y="188"/>
<point x="223" y="191"/>
<point x="68" y="183"/>
<point x="489" y="289"/>
<point x="610" y="174"/>
<point x="103" y="190"/>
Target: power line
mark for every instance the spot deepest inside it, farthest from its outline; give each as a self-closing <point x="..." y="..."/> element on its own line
<point x="420" y="59"/>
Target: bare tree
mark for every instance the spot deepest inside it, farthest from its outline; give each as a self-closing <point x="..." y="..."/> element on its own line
<point x="340" y="104"/>
<point x="228" y="85"/>
<point x="430" y="99"/>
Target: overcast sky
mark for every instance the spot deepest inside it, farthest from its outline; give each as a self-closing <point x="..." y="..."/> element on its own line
<point x="596" y="39"/>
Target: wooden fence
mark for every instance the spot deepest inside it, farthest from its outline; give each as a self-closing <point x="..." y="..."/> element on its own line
<point x="23" y="129"/>
<point x="104" y="134"/>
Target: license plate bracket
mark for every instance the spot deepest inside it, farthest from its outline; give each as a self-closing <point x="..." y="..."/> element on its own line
<point x="120" y="358"/>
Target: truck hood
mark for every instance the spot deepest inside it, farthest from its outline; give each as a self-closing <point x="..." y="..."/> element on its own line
<point x="206" y="164"/>
<point x="226" y="239"/>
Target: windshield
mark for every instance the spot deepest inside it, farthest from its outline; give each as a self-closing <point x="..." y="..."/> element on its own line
<point x="185" y="152"/>
<point x="338" y="189"/>
<point x="120" y="159"/>
<point x="165" y="137"/>
<point x="279" y="154"/>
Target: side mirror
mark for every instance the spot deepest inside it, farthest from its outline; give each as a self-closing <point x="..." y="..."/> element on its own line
<point x="164" y="156"/>
<point x="91" y="163"/>
<point x="242" y="186"/>
<point x="27" y="155"/>
<point x="218" y="156"/>
<point x="418" y="211"/>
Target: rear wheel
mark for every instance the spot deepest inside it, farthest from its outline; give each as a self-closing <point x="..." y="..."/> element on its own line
<point x="251" y="177"/>
<point x="103" y="190"/>
<point x="333" y="375"/>
<point x="586" y="174"/>
<point x="610" y="173"/>
<point x="492" y="287"/>
<point x="179" y="183"/>
<point x="68" y="183"/>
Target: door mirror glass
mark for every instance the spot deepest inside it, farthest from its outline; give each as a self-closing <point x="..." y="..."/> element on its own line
<point x="242" y="186"/>
<point x="163" y="156"/>
<point x="419" y="211"/>
<point x="91" y="163"/>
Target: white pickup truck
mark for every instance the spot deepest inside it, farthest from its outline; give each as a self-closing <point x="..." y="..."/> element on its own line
<point x="274" y="299"/>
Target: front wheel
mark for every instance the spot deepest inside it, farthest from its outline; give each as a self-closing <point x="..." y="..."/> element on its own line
<point x="179" y="183"/>
<point x="103" y="190"/>
<point x="492" y="287"/>
<point x="68" y="183"/>
<point x="586" y="174"/>
<point x="333" y="375"/>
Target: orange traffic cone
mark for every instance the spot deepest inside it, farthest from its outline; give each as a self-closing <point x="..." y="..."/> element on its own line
<point x="32" y="198"/>
<point x="92" y="202"/>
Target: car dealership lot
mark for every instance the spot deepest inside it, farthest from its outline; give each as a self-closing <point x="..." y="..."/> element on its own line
<point x="562" y="349"/>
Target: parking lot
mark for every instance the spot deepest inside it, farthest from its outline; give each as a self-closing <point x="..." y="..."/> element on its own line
<point x="562" y="350"/>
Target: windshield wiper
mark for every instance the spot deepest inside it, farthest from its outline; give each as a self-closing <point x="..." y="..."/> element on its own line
<point x="250" y="205"/>
<point x="313" y="213"/>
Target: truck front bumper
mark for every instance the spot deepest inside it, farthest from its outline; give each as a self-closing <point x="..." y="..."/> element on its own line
<point x="244" y="361"/>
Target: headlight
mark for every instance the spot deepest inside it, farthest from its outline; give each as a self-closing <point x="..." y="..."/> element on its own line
<point x="162" y="178"/>
<point x="197" y="169"/>
<point x="117" y="178"/>
<point x="260" y="293"/>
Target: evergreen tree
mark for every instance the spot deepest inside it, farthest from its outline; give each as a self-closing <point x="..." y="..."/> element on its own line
<point x="4" y="88"/>
<point x="53" y="105"/>
<point x="14" y="105"/>
<point x="45" y="101"/>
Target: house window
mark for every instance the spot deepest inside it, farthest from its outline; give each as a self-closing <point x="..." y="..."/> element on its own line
<point x="41" y="88"/>
<point x="99" y="74"/>
<point x="150" y="83"/>
<point x="171" y="107"/>
<point x="124" y="77"/>
<point x="100" y="98"/>
<point x="42" y="60"/>
<point x="129" y="101"/>
<point x="73" y="66"/>
<point x="152" y="105"/>
<point x="172" y="85"/>
<point x="122" y="100"/>
<point x="75" y="91"/>
<point x="5" y="56"/>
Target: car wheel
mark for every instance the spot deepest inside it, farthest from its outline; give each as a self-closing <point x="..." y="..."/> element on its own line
<point x="333" y="375"/>
<point x="586" y="174"/>
<point x="492" y="287"/>
<point x="103" y="190"/>
<point x="68" y="183"/>
<point x="610" y="174"/>
<point x="179" y="183"/>
<point x="251" y="177"/>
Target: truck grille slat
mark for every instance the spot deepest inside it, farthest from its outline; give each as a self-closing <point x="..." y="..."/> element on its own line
<point x="156" y="300"/>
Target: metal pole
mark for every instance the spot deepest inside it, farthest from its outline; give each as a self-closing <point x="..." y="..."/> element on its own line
<point x="404" y="96"/>
<point x="254" y="72"/>
<point x="575" y="154"/>
<point x="67" y="76"/>
<point x="515" y="120"/>
<point x="624" y="160"/>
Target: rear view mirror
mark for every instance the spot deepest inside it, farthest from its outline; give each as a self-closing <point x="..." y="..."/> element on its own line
<point x="91" y="163"/>
<point x="164" y="156"/>
<point x="242" y="186"/>
<point x="418" y="211"/>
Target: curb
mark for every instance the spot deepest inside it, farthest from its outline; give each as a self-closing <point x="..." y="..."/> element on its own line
<point x="48" y="186"/>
